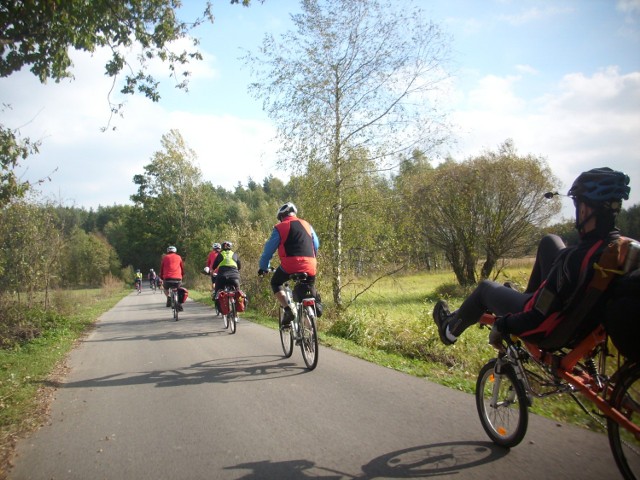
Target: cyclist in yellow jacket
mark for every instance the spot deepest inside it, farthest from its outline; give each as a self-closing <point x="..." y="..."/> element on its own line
<point x="228" y="264"/>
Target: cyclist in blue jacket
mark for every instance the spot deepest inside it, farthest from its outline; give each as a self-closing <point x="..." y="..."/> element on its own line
<point x="296" y="242"/>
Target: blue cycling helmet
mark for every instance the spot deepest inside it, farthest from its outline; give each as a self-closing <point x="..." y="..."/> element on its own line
<point x="601" y="187"/>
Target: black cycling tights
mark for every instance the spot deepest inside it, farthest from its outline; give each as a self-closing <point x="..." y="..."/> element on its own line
<point x="548" y="250"/>
<point x="500" y="300"/>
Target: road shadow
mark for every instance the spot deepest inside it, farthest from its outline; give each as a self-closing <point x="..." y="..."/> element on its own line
<point x="415" y="462"/>
<point x="221" y="370"/>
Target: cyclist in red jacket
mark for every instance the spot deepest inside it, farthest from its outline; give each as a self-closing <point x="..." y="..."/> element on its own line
<point x="297" y="245"/>
<point x="171" y="272"/>
<point x="208" y="269"/>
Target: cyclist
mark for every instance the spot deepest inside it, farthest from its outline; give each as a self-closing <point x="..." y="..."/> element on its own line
<point x="297" y="245"/>
<point x="138" y="280"/>
<point x="213" y="254"/>
<point x="228" y="266"/>
<point x="152" y="277"/>
<point x="560" y="275"/>
<point x="171" y="272"/>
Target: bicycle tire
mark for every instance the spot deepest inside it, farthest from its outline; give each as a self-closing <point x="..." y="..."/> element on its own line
<point x="233" y="321"/>
<point x="626" y="399"/>
<point x="505" y="424"/>
<point x="309" y="341"/>
<point x="174" y="305"/>
<point x="286" y="337"/>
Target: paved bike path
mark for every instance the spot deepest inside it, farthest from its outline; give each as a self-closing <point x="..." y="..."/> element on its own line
<point x="149" y="398"/>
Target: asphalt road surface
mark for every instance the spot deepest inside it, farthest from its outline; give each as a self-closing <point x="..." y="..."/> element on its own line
<point x="150" y="398"/>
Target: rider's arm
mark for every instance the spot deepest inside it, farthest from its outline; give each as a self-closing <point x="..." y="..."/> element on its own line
<point x="216" y="262"/>
<point x="316" y="240"/>
<point x="550" y="300"/>
<point x="237" y="259"/>
<point x="269" y="249"/>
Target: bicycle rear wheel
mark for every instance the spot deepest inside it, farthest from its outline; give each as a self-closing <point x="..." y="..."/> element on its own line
<point x="624" y="445"/>
<point x="286" y="336"/>
<point x="174" y="304"/>
<point x="233" y="316"/>
<point x="309" y="343"/>
<point x="506" y="421"/>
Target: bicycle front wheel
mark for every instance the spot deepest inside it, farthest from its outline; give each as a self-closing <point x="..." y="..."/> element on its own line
<point x="624" y="444"/>
<point x="309" y="342"/>
<point x="286" y="336"/>
<point x="233" y="316"/>
<point x="502" y="405"/>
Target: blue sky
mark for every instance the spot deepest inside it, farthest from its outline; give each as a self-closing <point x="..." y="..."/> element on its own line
<point x="561" y="78"/>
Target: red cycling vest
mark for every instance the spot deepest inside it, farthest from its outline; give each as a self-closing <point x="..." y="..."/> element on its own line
<point x="296" y="250"/>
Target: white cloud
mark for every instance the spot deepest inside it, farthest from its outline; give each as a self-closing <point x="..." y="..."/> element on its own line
<point x="527" y="69"/>
<point x="90" y="168"/>
<point x="628" y="6"/>
<point x="590" y="121"/>
<point x="533" y="15"/>
<point x="496" y="94"/>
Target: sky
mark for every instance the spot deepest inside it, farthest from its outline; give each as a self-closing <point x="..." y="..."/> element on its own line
<point x="561" y="78"/>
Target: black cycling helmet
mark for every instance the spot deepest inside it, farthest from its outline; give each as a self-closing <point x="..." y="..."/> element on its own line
<point x="227" y="245"/>
<point x="285" y="210"/>
<point x="601" y="188"/>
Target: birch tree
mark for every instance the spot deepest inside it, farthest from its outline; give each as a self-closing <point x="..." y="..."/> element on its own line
<point x="354" y="76"/>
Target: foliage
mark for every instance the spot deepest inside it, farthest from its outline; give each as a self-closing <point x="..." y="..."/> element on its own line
<point x="32" y="245"/>
<point x="629" y="222"/>
<point x="414" y="245"/>
<point x="39" y="35"/>
<point x="13" y="148"/>
<point x="488" y="207"/>
<point x="88" y="259"/>
<point x="349" y="90"/>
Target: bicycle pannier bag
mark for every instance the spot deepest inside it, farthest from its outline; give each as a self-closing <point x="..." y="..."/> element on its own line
<point x="241" y="301"/>
<point x="223" y="302"/>
<point x="183" y="294"/>
<point x="622" y="314"/>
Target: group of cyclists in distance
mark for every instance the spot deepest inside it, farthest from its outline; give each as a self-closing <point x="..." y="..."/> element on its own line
<point x="293" y="238"/>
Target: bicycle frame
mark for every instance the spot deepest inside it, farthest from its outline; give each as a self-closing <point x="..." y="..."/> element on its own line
<point x="563" y="367"/>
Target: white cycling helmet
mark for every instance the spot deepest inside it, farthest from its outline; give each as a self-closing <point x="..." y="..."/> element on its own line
<point x="286" y="210"/>
<point x="216" y="246"/>
<point x="172" y="249"/>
